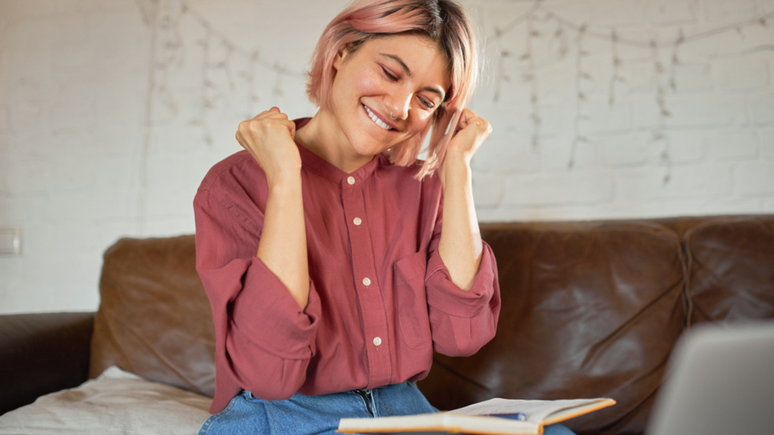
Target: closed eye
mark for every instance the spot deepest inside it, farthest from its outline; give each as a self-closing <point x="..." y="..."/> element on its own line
<point x="428" y="104"/>
<point x="389" y="75"/>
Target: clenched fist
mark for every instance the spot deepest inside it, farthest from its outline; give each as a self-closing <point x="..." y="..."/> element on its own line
<point x="269" y="139"/>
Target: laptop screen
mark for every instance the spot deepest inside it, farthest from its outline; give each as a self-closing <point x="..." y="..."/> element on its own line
<point x="721" y="381"/>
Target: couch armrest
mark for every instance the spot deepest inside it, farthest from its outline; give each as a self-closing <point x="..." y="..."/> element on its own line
<point x="42" y="353"/>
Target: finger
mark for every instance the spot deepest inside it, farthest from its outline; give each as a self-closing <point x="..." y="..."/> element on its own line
<point x="273" y="111"/>
<point x="261" y="115"/>
<point x="292" y="128"/>
<point x="275" y="114"/>
<point x="466" y="118"/>
<point x="240" y="139"/>
<point x="477" y="123"/>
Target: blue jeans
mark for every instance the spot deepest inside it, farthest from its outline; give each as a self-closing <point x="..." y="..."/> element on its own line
<point x="307" y="415"/>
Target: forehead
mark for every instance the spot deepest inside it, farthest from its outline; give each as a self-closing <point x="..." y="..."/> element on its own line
<point x="420" y="54"/>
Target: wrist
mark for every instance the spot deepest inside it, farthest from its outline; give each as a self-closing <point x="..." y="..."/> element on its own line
<point x="456" y="169"/>
<point x="284" y="183"/>
<point x="283" y="173"/>
<point x="457" y="153"/>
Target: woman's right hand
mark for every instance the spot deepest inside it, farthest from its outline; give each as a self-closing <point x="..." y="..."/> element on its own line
<point x="269" y="139"/>
<point x="282" y="248"/>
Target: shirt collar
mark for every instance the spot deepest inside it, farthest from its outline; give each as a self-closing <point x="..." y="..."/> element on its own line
<point x="322" y="167"/>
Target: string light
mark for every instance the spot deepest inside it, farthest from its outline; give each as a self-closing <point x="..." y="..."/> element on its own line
<point x="531" y="77"/>
<point x="167" y="17"/>
<point x="581" y="97"/>
<point x="659" y="135"/>
<point x="616" y="65"/>
<point x="664" y="77"/>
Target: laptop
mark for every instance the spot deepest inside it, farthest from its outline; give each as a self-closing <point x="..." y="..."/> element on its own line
<point x="721" y="381"/>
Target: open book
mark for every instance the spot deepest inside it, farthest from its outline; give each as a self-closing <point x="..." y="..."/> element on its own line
<point x="494" y="416"/>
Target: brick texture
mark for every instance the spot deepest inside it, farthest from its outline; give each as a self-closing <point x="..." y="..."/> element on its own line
<point x="112" y="112"/>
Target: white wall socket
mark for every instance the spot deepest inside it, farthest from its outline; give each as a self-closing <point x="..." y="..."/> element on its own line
<point x="10" y="240"/>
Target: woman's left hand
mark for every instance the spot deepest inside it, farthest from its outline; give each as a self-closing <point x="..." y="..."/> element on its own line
<point x="461" y="246"/>
<point x="470" y="133"/>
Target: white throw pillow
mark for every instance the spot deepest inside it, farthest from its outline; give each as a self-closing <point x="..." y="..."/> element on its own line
<point x="117" y="402"/>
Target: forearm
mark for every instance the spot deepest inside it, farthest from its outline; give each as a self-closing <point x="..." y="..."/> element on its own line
<point x="283" y="240"/>
<point x="460" y="247"/>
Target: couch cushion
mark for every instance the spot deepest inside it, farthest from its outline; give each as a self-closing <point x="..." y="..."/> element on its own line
<point x="731" y="264"/>
<point x="116" y="402"/>
<point x="154" y="318"/>
<point x="590" y="309"/>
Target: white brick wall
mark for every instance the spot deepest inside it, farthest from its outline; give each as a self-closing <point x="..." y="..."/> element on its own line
<point x="112" y="112"/>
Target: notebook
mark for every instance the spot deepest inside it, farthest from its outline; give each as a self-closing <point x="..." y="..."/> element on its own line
<point x="721" y="381"/>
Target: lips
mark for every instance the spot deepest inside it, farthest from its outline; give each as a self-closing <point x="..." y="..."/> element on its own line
<point x="378" y="120"/>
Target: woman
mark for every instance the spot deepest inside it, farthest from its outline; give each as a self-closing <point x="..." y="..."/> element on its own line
<point x="321" y="245"/>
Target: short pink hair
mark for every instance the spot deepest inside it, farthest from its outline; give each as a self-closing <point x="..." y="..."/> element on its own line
<point x="442" y="21"/>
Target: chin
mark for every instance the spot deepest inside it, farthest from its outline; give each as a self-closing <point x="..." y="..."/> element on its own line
<point x="366" y="146"/>
<point x="371" y="140"/>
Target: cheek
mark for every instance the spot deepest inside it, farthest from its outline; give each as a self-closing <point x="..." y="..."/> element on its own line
<point x="365" y="84"/>
<point x="421" y="120"/>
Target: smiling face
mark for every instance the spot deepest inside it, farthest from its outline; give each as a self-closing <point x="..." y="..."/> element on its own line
<point x="386" y="92"/>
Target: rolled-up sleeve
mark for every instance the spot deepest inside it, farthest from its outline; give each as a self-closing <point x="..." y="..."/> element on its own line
<point x="264" y="340"/>
<point x="462" y="321"/>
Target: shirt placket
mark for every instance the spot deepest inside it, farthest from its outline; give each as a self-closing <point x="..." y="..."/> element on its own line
<point x="366" y="284"/>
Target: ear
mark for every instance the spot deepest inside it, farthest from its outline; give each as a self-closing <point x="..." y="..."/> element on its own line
<point x="339" y="59"/>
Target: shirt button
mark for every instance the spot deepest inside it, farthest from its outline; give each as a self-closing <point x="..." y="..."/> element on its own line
<point x="377" y="341"/>
<point x="357" y="221"/>
<point x="351" y="180"/>
<point x="366" y="281"/>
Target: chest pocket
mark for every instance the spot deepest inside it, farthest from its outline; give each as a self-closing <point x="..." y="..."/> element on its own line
<point x="412" y="312"/>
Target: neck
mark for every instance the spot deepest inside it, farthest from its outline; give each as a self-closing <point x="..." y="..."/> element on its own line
<point x="323" y="136"/>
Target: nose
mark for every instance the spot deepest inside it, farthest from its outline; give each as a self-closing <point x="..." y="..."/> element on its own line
<point x="399" y="105"/>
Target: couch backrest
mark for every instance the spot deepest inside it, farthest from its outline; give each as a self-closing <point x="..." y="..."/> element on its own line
<point x="594" y="308"/>
<point x="589" y="309"/>
<point x="731" y="263"/>
<point x="154" y="318"/>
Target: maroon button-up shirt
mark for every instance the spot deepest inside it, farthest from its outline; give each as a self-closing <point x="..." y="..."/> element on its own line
<point x="380" y="296"/>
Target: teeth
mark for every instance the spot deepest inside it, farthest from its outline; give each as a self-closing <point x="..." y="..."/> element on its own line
<point x="375" y="119"/>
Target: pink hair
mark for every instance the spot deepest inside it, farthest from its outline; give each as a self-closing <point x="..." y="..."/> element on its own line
<point x="443" y="21"/>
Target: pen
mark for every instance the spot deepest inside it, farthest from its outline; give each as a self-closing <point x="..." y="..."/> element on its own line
<point x="517" y="416"/>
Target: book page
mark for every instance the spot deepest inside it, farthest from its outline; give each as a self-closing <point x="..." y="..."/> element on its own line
<point x="475" y="419"/>
<point x="535" y="410"/>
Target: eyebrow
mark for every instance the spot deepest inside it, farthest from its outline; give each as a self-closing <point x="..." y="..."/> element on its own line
<point x="406" y="69"/>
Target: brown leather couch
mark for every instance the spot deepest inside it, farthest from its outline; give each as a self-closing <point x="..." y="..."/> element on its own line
<point x="590" y="309"/>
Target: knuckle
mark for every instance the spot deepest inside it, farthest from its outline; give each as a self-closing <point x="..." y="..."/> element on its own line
<point x="246" y="124"/>
<point x="254" y="125"/>
<point x="483" y="125"/>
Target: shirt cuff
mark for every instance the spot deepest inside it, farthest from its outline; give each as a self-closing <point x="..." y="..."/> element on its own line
<point x="444" y="295"/>
<point x="268" y="315"/>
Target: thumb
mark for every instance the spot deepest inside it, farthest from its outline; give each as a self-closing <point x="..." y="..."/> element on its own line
<point x="292" y="128"/>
